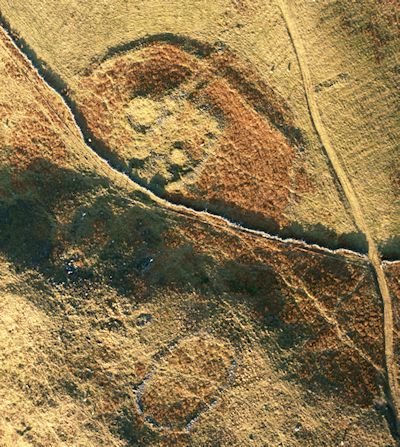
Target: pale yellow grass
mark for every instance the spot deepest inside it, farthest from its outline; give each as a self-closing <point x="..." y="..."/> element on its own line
<point x="68" y="36"/>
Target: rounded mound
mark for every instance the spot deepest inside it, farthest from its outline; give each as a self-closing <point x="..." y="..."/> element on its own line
<point x="197" y="128"/>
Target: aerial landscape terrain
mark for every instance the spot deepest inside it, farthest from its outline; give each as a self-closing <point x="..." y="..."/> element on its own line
<point x="199" y="223"/>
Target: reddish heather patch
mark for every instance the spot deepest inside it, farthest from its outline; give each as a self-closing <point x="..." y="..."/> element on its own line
<point x="253" y="168"/>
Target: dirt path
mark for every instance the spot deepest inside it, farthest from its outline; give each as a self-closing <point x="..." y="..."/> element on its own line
<point x="351" y="196"/>
<point x="124" y="181"/>
<point x="219" y="221"/>
<point x="325" y="314"/>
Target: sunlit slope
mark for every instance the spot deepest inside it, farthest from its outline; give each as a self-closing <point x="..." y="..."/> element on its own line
<point x="36" y="126"/>
<point x="255" y="33"/>
<point x="123" y="323"/>
<point x="352" y="50"/>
